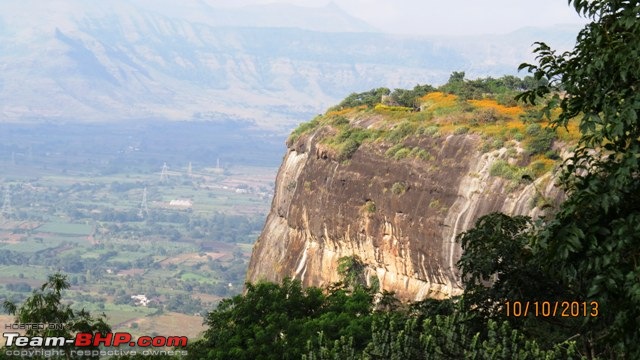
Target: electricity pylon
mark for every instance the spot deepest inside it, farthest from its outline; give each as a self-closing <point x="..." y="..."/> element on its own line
<point x="6" y="204"/>
<point x="144" y="209"/>
<point x="164" y="175"/>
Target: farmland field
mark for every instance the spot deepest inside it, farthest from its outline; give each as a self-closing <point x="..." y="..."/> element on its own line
<point x="169" y="211"/>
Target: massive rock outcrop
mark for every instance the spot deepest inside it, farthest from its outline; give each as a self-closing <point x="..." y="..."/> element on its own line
<point x="400" y="217"/>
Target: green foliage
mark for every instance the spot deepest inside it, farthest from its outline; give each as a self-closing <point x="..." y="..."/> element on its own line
<point x="496" y="251"/>
<point x="461" y="130"/>
<point x="423" y="154"/>
<point x="504" y="88"/>
<point x="518" y="136"/>
<point x="507" y="99"/>
<point x="432" y="130"/>
<point x="45" y="306"/>
<point x="552" y="154"/>
<point x="398" y="188"/>
<point x="539" y="139"/>
<point x="272" y="321"/>
<point x="452" y="338"/>
<point x="351" y="270"/>
<point x="303" y="129"/>
<point x="402" y="336"/>
<point x="400" y="132"/>
<point x="434" y="204"/>
<point x="347" y="150"/>
<point x="391" y="152"/>
<point x="409" y="98"/>
<point x="456" y="83"/>
<point x="532" y="115"/>
<point x="399" y="151"/>
<point x="591" y="245"/>
<point x="368" y="98"/>
<point x="537" y="168"/>
<point x="339" y="121"/>
<point x="286" y="322"/>
<point x="500" y="266"/>
<point x="370" y="206"/>
<point x="440" y="114"/>
<point x="402" y="153"/>
<point x="505" y="170"/>
<point x="348" y="140"/>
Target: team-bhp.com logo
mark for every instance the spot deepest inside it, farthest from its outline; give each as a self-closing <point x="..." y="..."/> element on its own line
<point x="109" y="344"/>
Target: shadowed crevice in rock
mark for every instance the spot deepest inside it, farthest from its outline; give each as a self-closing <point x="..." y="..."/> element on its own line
<point x="400" y="217"/>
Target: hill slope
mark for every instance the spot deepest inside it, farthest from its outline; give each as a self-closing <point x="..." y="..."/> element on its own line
<point x="394" y="187"/>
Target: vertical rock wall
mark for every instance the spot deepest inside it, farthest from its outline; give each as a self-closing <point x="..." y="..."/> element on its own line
<point x="401" y="217"/>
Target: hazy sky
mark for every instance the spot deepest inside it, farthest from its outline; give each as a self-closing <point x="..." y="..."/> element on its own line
<point x="453" y="17"/>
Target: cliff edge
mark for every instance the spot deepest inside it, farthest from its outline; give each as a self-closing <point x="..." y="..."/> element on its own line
<point x="395" y="187"/>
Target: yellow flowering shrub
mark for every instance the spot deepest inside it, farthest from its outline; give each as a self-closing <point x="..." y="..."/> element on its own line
<point x="438" y="100"/>
<point x="509" y="111"/>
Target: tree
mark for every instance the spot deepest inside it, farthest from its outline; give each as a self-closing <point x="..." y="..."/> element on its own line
<point x="499" y="267"/>
<point x="455" y="84"/>
<point x="44" y="307"/>
<point x="275" y="321"/>
<point x="592" y="245"/>
<point x="495" y="253"/>
<point x="588" y="252"/>
<point x="352" y="270"/>
<point x="368" y="98"/>
<point x="399" y="336"/>
<point x="263" y="323"/>
<point x="409" y="98"/>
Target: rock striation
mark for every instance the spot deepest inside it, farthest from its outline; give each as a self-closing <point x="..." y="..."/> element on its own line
<point x="400" y="217"/>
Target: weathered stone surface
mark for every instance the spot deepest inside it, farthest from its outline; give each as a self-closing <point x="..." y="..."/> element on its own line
<point x="322" y="211"/>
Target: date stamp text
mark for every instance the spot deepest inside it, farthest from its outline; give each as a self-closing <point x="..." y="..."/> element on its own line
<point x="552" y="308"/>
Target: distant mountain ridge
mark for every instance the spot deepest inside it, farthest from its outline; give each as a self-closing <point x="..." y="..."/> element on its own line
<point x="126" y="60"/>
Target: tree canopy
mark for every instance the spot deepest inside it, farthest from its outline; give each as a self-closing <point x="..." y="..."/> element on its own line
<point x="589" y="251"/>
<point x="45" y="306"/>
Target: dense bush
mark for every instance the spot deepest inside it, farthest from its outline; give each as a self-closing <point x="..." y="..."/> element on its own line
<point x="368" y="98"/>
<point x="409" y="98"/>
<point x="539" y="139"/>
<point x="504" y="88"/>
<point x="400" y="131"/>
<point x="347" y="321"/>
<point x="398" y="188"/>
<point x="301" y="129"/>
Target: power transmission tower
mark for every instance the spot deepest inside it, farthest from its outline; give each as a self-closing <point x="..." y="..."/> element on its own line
<point x="164" y="175"/>
<point x="6" y="203"/>
<point x="144" y="209"/>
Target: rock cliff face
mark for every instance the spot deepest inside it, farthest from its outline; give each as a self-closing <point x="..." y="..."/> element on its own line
<point x="401" y="217"/>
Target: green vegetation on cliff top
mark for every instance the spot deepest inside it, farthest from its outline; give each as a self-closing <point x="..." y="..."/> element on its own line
<point x="482" y="107"/>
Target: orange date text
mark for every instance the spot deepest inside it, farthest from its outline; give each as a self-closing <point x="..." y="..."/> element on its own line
<point x="552" y="308"/>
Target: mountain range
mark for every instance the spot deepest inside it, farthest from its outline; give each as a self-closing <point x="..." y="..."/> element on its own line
<point x="275" y="65"/>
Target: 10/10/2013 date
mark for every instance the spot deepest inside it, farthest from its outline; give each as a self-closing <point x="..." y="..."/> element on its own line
<point x="552" y="308"/>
